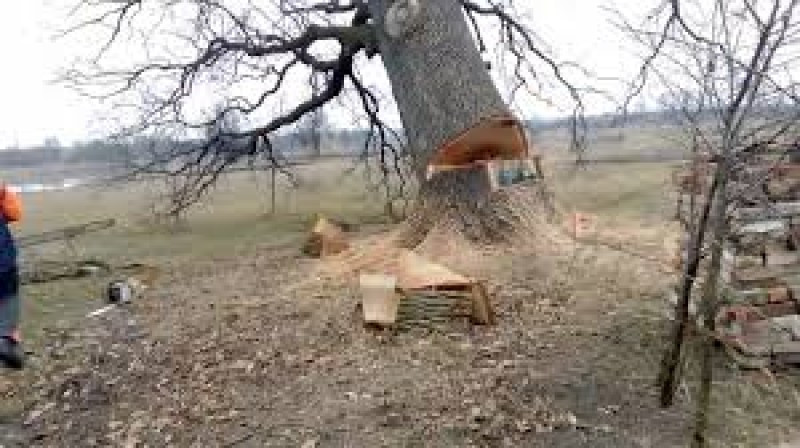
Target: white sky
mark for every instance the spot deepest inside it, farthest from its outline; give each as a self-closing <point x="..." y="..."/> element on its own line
<point x="35" y="108"/>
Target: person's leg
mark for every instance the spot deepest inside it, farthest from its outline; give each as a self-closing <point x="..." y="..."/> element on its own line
<point x="10" y="350"/>
<point x="9" y="304"/>
<point x="9" y="317"/>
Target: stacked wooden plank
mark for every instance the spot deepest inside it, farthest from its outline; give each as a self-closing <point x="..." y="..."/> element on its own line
<point x="759" y="321"/>
<point x="386" y="303"/>
<point x="434" y="306"/>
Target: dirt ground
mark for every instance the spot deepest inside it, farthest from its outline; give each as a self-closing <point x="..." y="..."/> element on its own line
<point x="257" y="352"/>
<point x="256" y="349"/>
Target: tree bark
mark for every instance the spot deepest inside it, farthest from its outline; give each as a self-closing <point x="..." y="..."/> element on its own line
<point x="440" y="83"/>
<point x="710" y="307"/>
<point x="442" y="87"/>
<point x="670" y="365"/>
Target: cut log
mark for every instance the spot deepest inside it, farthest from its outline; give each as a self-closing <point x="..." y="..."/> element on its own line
<point x="325" y="239"/>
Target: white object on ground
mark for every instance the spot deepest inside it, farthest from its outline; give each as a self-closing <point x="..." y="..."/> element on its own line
<point x="101" y="311"/>
<point x="763" y="227"/>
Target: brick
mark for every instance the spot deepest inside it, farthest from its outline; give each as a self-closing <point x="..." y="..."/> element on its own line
<point x="779" y="294"/>
<point x="778" y="309"/>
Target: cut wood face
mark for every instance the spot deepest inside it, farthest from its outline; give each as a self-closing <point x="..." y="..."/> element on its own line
<point x="415" y="272"/>
<point x="491" y="139"/>
<point x="326" y="238"/>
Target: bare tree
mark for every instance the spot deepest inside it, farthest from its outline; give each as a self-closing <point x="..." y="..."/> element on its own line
<point x="310" y="128"/>
<point x="254" y="53"/>
<point x="733" y="59"/>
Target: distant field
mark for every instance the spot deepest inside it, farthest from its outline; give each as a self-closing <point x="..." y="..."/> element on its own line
<point x="52" y="172"/>
<point x="636" y="143"/>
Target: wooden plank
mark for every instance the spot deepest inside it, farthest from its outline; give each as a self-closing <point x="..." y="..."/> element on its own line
<point x="759" y="245"/>
<point x="782" y="189"/>
<point x="762" y="272"/>
<point x="424" y="307"/>
<point x="753" y="296"/>
<point x="409" y="322"/>
<point x="482" y="312"/>
<point x="783" y="170"/>
<point x="762" y="296"/>
<point x="428" y="305"/>
<point x="782" y="258"/>
<point x="378" y="298"/>
<point x="786" y="347"/>
<point x="65" y="233"/>
<point x="439" y="294"/>
<point x="493" y="173"/>
<point x="422" y="300"/>
<point x="768" y="211"/>
<point x="429" y="315"/>
<point x="403" y="318"/>
<point x="787" y="170"/>
<point x="763" y="227"/>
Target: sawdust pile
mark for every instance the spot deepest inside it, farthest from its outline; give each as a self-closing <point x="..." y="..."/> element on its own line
<point x="531" y="225"/>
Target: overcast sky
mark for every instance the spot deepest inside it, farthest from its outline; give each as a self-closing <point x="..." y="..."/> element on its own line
<point x="35" y="108"/>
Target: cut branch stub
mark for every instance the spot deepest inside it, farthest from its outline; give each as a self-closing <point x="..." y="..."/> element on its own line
<point x="402" y="18"/>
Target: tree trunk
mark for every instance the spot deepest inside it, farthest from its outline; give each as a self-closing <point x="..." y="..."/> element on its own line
<point x="441" y="87"/>
<point x="710" y="307"/>
<point x="710" y="298"/>
<point x="670" y="366"/>
<point x="440" y="83"/>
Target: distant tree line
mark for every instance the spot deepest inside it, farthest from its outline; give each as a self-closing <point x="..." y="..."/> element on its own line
<point x="51" y="152"/>
<point x="326" y="142"/>
<point x="312" y="138"/>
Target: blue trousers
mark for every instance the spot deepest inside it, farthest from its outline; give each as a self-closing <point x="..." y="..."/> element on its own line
<point x="9" y="302"/>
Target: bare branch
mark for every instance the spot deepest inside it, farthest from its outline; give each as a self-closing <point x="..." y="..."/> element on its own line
<point x="520" y="42"/>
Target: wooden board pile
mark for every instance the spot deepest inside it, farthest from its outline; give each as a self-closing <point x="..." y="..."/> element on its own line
<point x="430" y="306"/>
<point x="421" y="293"/>
<point x="759" y="321"/>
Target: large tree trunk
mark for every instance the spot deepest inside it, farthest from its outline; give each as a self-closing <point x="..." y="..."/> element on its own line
<point x="441" y="87"/>
<point x="440" y="83"/>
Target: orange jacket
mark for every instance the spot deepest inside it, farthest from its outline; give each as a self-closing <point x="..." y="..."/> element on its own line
<point x="10" y="204"/>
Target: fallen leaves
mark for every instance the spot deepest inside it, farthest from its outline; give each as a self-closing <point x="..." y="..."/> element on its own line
<point x="299" y="371"/>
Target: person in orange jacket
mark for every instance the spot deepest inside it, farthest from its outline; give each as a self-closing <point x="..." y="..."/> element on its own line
<point x="11" y="353"/>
